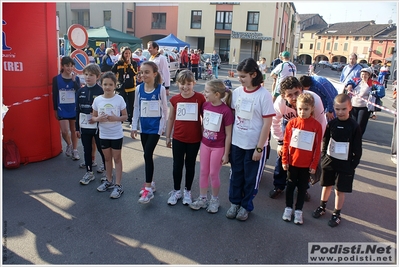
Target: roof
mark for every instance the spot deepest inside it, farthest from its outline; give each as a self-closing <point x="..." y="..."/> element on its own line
<point x="360" y="28"/>
<point x="388" y="33"/>
<point x="303" y="17"/>
<point x="314" y="28"/>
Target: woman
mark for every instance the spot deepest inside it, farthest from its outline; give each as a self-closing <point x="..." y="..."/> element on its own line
<point x="126" y="71"/>
<point x="360" y="90"/>
<point x="107" y="62"/>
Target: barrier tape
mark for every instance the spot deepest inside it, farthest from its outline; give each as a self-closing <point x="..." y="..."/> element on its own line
<point x="374" y="104"/>
<point x="28" y="100"/>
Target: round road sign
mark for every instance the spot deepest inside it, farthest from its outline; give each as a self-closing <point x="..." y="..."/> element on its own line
<point x="77" y="36"/>
<point x="81" y="60"/>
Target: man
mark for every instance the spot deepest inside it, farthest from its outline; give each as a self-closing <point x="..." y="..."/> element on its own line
<point x="215" y="63"/>
<point x="279" y="73"/>
<point x="162" y="63"/>
<point x="275" y="62"/>
<point x="324" y="89"/>
<point x="184" y="58"/>
<point x="100" y="53"/>
<point x="350" y="71"/>
<point x="90" y="53"/>
<point x="195" y="59"/>
<point x="285" y="107"/>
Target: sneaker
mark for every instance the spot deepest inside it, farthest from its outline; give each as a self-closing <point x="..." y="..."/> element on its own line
<point x="75" y="155"/>
<point x="298" y="217"/>
<point x="117" y="192"/>
<point x="318" y="212"/>
<point x="232" y="212"/>
<point x="146" y="196"/>
<point x="100" y="169"/>
<point x="275" y="193"/>
<point x="242" y="214"/>
<point x="335" y="220"/>
<point x="175" y="195"/>
<point x="394" y="159"/>
<point x="287" y="214"/>
<point x="199" y="203"/>
<point x="87" y="178"/>
<point x="105" y="186"/>
<point x="68" y="150"/>
<point x="187" y="197"/>
<point x="213" y="206"/>
<point x="152" y="187"/>
<point x="82" y="165"/>
<point x="307" y="197"/>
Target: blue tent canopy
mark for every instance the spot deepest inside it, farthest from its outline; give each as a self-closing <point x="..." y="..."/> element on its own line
<point x="173" y="41"/>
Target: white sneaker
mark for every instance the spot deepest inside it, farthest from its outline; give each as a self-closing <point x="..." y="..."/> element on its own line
<point x="199" y="203"/>
<point x="187" y="197"/>
<point x="394" y="159"/>
<point x="68" y="150"/>
<point x="152" y="187"/>
<point x="298" y="217"/>
<point x="75" y="155"/>
<point x="287" y="214"/>
<point x="82" y="165"/>
<point x="175" y="195"/>
<point x="146" y="197"/>
<point x="87" y="178"/>
<point x="213" y="206"/>
<point x="117" y="192"/>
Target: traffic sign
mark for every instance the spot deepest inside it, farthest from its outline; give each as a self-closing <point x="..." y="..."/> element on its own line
<point x="81" y="60"/>
<point x="78" y="36"/>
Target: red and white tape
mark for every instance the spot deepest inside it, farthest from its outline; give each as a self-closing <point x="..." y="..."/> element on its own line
<point x="28" y="100"/>
<point x="374" y="104"/>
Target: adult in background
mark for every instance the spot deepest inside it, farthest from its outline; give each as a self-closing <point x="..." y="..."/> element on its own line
<point x="100" y="53"/>
<point x="195" y="59"/>
<point x="107" y="62"/>
<point x="90" y="53"/>
<point x="184" y="58"/>
<point x="279" y="73"/>
<point x="162" y="63"/>
<point x="215" y="63"/>
<point x="275" y="62"/>
<point x="350" y="71"/>
<point x="324" y="89"/>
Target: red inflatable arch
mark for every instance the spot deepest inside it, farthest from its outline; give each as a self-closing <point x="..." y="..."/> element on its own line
<point x="30" y="61"/>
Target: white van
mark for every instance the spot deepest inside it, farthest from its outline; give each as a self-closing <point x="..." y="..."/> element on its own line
<point x="173" y="61"/>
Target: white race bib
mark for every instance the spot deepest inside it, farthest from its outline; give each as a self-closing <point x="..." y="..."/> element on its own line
<point x="84" y="121"/>
<point x="212" y="121"/>
<point x="187" y="112"/>
<point x="302" y="139"/>
<point x="150" y="109"/>
<point x="338" y="150"/>
<point x="67" y="96"/>
<point x="244" y="108"/>
<point x="110" y="111"/>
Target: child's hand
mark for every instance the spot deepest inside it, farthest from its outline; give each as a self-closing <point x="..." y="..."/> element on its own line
<point x="133" y="134"/>
<point x="168" y="142"/>
<point x="225" y="159"/>
<point x="285" y="167"/>
<point x="102" y="117"/>
<point x="312" y="171"/>
<point x="256" y="156"/>
<point x="77" y="134"/>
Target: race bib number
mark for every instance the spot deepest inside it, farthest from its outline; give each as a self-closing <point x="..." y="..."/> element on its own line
<point x="302" y="139"/>
<point x="338" y="150"/>
<point x="245" y="108"/>
<point x="67" y="96"/>
<point x="150" y="109"/>
<point x="212" y="121"/>
<point x="187" y="112"/>
<point x="84" y="121"/>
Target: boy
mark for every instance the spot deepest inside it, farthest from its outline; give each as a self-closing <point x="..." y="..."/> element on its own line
<point x="341" y="153"/>
<point x="86" y="128"/>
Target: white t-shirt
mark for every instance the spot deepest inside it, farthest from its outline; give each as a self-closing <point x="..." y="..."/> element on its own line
<point x="283" y="70"/>
<point x="250" y="109"/>
<point x="112" y="106"/>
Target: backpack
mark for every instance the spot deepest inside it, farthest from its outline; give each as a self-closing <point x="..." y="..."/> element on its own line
<point x="11" y="157"/>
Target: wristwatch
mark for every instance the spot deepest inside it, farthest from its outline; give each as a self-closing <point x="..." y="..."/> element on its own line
<point x="259" y="149"/>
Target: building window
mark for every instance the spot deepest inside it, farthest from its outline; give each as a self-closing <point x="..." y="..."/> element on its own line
<point x="329" y="37"/>
<point x="300" y="46"/>
<point x="345" y="46"/>
<point x="312" y="36"/>
<point x="158" y="21"/>
<point x="336" y="37"/>
<point x="319" y="37"/>
<point x="380" y="42"/>
<point x="328" y="46"/>
<point x="355" y="49"/>
<point x="130" y="19"/>
<point x="335" y="46"/>
<point x="390" y="50"/>
<point x="318" y="46"/>
<point x="356" y="38"/>
<point x="107" y="18"/>
<point x="347" y="38"/>
<point x="224" y="20"/>
<point x="302" y="35"/>
<point x="253" y="21"/>
<point x="196" y="16"/>
<point x="367" y="38"/>
<point x="365" y="50"/>
<point x="311" y="46"/>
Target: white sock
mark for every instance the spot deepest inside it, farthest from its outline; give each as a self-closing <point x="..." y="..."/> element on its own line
<point x="148" y="189"/>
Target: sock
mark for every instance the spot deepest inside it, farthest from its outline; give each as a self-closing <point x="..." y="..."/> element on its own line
<point x="213" y="197"/>
<point x="152" y="183"/>
<point x="337" y="212"/>
<point x="323" y="204"/>
<point x="148" y="189"/>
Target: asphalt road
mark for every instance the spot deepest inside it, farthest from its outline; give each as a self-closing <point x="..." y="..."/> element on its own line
<point x="50" y="218"/>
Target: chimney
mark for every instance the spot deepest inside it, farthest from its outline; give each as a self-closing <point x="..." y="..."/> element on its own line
<point x="372" y="22"/>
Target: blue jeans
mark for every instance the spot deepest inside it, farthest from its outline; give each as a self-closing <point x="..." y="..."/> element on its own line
<point x="215" y="70"/>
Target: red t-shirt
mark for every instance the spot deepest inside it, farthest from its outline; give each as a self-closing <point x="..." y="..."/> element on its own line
<point x="188" y="131"/>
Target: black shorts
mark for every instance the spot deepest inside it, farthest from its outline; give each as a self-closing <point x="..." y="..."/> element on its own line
<point x="61" y="118"/>
<point x="111" y="143"/>
<point x="343" y="181"/>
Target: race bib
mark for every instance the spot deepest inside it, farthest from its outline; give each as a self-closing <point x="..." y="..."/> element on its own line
<point x="84" y="121"/>
<point x="150" y="109"/>
<point x="187" y="112"/>
<point x="338" y="150"/>
<point x="302" y="139"/>
<point x="110" y="111"/>
<point x="244" y="108"/>
<point x="212" y="121"/>
<point x="67" y="96"/>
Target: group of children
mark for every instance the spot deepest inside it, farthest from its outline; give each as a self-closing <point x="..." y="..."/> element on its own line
<point x="225" y="126"/>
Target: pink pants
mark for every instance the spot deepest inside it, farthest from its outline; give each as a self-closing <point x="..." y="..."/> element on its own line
<point x="210" y="165"/>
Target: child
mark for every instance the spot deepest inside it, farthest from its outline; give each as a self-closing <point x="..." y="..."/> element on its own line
<point x="300" y="154"/>
<point x="64" y="89"/>
<point x="341" y="153"/>
<point x="216" y="141"/>
<point x="151" y="107"/>
<point x="107" y="110"/>
<point x="253" y="117"/>
<point x="86" y="128"/>
<point x="185" y="116"/>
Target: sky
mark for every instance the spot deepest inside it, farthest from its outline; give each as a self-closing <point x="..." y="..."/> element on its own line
<point x="347" y="11"/>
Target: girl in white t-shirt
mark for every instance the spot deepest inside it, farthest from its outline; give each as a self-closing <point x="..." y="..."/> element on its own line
<point x="109" y="110"/>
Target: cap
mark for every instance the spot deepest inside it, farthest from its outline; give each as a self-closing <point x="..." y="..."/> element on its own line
<point x="285" y="54"/>
<point x="368" y="70"/>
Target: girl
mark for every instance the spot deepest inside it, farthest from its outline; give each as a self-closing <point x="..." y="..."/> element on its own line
<point x="107" y="110"/>
<point x="254" y="110"/>
<point x="216" y="141"/>
<point x="263" y="67"/>
<point x="151" y="107"/>
<point x="300" y="154"/>
<point x="185" y="116"/>
<point x="65" y="85"/>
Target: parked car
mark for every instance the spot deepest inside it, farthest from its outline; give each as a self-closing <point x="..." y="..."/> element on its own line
<point x="323" y="64"/>
<point x="337" y="66"/>
<point x="173" y="61"/>
<point x="205" y="56"/>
